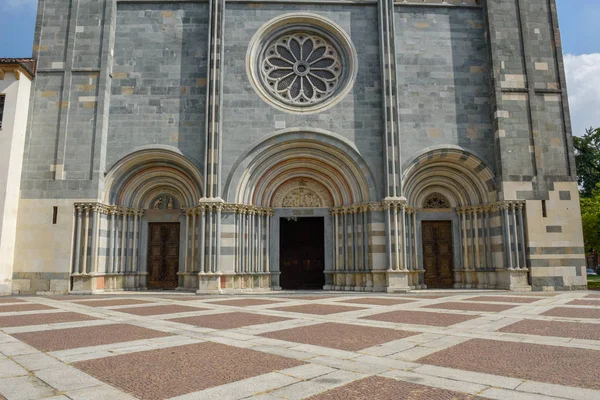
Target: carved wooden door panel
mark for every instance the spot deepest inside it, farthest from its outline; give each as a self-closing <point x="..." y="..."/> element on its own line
<point x="163" y="256"/>
<point x="437" y="254"/>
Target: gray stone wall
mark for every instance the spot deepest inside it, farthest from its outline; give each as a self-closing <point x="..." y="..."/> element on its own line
<point x="158" y="93"/>
<point x="247" y="118"/>
<point x="443" y="80"/>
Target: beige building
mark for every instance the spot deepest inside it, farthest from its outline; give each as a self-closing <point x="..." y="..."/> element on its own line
<point x="15" y="86"/>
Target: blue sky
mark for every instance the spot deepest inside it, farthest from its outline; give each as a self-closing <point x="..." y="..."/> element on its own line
<point x="578" y="22"/>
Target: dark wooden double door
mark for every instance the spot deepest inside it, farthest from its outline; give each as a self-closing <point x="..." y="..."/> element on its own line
<point x="163" y="255"/>
<point x="302" y="253"/>
<point x="437" y="254"/>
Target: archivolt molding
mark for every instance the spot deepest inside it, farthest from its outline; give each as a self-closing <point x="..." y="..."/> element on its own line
<point x="294" y="155"/>
<point x="460" y="176"/>
<point x="140" y="177"/>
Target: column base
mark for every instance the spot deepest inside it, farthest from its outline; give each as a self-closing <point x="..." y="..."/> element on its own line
<point x="397" y="281"/>
<point x="515" y="280"/>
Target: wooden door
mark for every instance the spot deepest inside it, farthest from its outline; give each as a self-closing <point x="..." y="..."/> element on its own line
<point x="437" y="254"/>
<point x="163" y="255"/>
<point x="302" y="253"/>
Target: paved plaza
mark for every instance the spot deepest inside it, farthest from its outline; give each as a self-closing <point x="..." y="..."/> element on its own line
<point x="325" y="346"/>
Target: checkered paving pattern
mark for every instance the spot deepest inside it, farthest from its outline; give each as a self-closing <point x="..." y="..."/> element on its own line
<point x="575" y="330"/>
<point x="595" y="303"/>
<point x="164" y="373"/>
<point x="339" y="336"/>
<point x="42" y="319"/>
<point x="318" y="309"/>
<point x="378" y="301"/>
<point x="10" y="300"/>
<point x="569" y="312"/>
<point x="229" y="320"/>
<point x="471" y="307"/>
<point x="319" y="345"/>
<point x="63" y="339"/>
<point x="378" y="388"/>
<point x="543" y="363"/>
<point x="24" y="307"/>
<point x="111" y="303"/>
<point x="159" y="310"/>
<point x="420" y="318"/>
<point x="505" y="299"/>
<point x="244" y="302"/>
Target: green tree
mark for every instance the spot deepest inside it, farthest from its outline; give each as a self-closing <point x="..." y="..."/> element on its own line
<point x="590" y="218"/>
<point x="587" y="159"/>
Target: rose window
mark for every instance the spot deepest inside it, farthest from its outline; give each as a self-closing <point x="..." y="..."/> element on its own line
<point x="301" y="69"/>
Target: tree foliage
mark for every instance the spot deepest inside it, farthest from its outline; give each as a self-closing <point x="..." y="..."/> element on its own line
<point x="590" y="218"/>
<point x="587" y="159"/>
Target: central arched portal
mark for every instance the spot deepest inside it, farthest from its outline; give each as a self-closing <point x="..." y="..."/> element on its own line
<point x="303" y="178"/>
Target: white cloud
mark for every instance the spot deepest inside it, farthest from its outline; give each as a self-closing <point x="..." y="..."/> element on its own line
<point x="583" y="84"/>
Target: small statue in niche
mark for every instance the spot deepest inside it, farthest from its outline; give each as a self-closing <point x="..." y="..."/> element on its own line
<point x="170" y="205"/>
<point x="158" y="203"/>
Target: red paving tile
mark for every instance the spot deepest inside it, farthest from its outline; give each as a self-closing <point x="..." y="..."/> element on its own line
<point x="593" y="296"/>
<point x="25" y="307"/>
<point x="505" y="299"/>
<point x="163" y="373"/>
<point x="158" y="310"/>
<point x="318" y="309"/>
<point x="339" y="336"/>
<point x="42" y="319"/>
<point x="7" y="300"/>
<point x="428" y="296"/>
<point x="111" y="302"/>
<point x="471" y="306"/>
<point x="244" y="302"/>
<point x="378" y="301"/>
<point x="379" y="388"/>
<point x="228" y="320"/>
<point x="310" y="297"/>
<point x="543" y="363"/>
<point x="584" y="303"/>
<point x="72" y="338"/>
<point x="576" y="330"/>
<point x="68" y="297"/>
<point x="421" y="318"/>
<point x="572" y="312"/>
<point x="185" y="298"/>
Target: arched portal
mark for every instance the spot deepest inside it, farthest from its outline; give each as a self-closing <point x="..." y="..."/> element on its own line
<point x="451" y="195"/>
<point x="303" y="176"/>
<point x="147" y="240"/>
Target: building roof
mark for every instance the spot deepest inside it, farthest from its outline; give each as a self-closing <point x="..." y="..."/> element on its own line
<point x="28" y="64"/>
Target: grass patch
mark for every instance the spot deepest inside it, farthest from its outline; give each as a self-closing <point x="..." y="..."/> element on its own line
<point x="594" y="282"/>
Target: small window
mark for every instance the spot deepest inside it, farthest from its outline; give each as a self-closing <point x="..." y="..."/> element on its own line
<point x="2" y="97"/>
<point x="544" y="210"/>
<point x="54" y="215"/>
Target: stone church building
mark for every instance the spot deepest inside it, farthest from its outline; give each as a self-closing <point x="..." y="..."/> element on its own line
<point x="254" y="145"/>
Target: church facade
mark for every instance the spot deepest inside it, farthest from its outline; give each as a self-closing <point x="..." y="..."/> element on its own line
<point x="241" y="145"/>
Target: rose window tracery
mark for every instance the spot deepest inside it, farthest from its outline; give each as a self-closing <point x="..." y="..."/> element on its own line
<point x="301" y="68"/>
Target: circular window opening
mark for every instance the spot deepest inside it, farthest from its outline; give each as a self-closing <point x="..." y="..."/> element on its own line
<point x="301" y="63"/>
